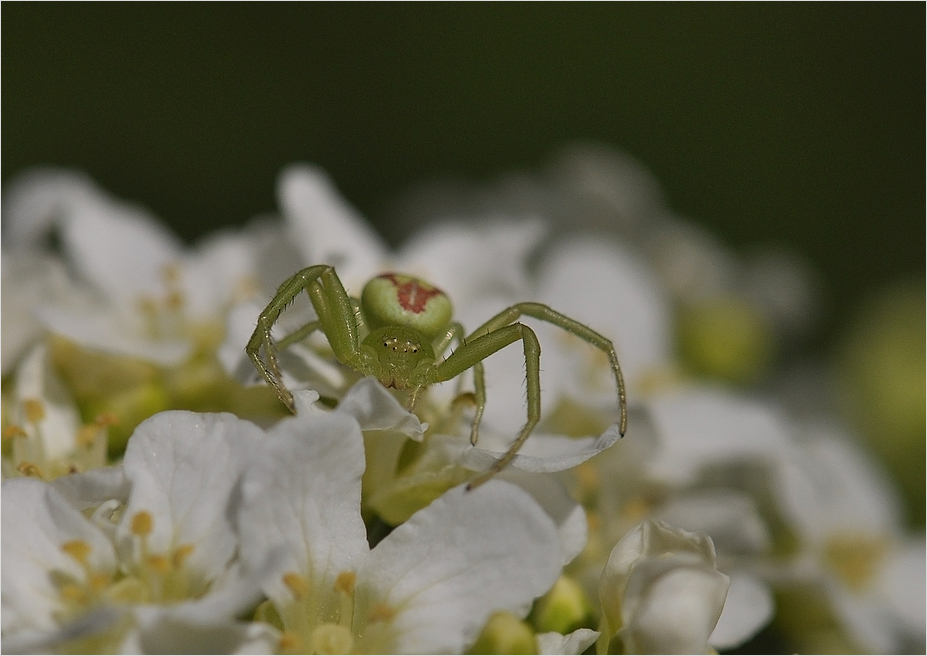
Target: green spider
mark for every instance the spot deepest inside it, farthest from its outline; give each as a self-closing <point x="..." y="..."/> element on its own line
<point x="398" y="329"/>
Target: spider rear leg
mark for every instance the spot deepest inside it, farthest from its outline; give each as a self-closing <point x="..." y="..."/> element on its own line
<point x="549" y="315"/>
<point x="471" y="354"/>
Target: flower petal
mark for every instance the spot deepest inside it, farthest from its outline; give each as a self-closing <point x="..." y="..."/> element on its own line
<point x="326" y="228"/>
<point x="173" y="630"/>
<point x="34" y="203"/>
<point x="576" y="642"/>
<point x="122" y="249"/>
<point x="610" y="290"/>
<point x="455" y="562"/>
<point x="747" y="609"/>
<point x="36" y="522"/>
<point x="568" y="515"/>
<point x="90" y="489"/>
<point x="698" y="427"/>
<point x="99" y="329"/>
<point x="377" y="410"/>
<point x="29" y="278"/>
<point x="541" y="453"/>
<point x="37" y="381"/>
<point x="473" y="263"/>
<point x="184" y="467"/>
<point x="302" y="493"/>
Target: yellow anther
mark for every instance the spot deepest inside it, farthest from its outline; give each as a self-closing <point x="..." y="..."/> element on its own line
<point x="170" y="273"/>
<point x="148" y="306"/>
<point x="12" y="431"/>
<point x="159" y="564"/>
<point x="290" y="642"/>
<point x="87" y="435"/>
<point x="636" y="508"/>
<point x="105" y="419"/>
<point x="34" y="409"/>
<point x="855" y="558"/>
<point x="181" y="553"/>
<point x="99" y="581"/>
<point x="30" y="469"/>
<point x="175" y="300"/>
<point x="73" y="593"/>
<point x="142" y="523"/>
<point x="382" y="613"/>
<point x="78" y="550"/>
<point x="345" y="583"/>
<point x="297" y="584"/>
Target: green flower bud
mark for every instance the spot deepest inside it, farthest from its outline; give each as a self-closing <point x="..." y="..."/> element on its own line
<point x="563" y="609"/>
<point x="504" y="633"/>
<point x="726" y="338"/>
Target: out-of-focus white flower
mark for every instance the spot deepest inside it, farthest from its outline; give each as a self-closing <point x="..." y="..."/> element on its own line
<point x="429" y="586"/>
<point x="141" y="291"/>
<point x="154" y="570"/>
<point x="47" y="437"/>
<point x="852" y="544"/>
<point x="661" y="592"/>
<point x="30" y="277"/>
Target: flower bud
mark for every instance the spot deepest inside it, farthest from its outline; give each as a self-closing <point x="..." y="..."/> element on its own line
<point x="660" y="592"/>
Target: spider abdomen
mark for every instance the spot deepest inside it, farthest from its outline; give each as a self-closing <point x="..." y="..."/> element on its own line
<point x="394" y="299"/>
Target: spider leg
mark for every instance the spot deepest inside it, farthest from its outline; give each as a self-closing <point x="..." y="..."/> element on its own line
<point x="336" y="319"/>
<point x="456" y="331"/>
<point x="471" y="354"/>
<point x="551" y="316"/>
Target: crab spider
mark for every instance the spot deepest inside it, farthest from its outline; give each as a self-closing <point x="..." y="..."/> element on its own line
<point x="399" y="329"/>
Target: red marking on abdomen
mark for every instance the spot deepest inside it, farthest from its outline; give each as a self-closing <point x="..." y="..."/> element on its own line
<point x="413" y="296"/>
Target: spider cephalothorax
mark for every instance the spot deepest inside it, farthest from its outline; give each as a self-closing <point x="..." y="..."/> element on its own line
<point x="399" y="331"/>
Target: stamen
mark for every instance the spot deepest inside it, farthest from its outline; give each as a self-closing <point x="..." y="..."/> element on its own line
<point x="142" y="523"/>
<point x="181" y="553"/>
<point x="345" y="583"/>
<point x="30" y="469"/>
<point x="290" y="642"/>
<point x="159" y="564"/>
<point x="382" y="613"/>
<point x="13" y="431"/>
<point x="297" y="584"/>
<point x="34" y="409"/>
<point x="78" y="550"/>
<point x="87" y="435"/>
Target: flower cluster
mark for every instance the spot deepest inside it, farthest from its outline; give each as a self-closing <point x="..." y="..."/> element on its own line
<point x="158" y="498"/>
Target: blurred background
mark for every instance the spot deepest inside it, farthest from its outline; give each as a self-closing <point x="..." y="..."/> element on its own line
<point x="794" y="123"/>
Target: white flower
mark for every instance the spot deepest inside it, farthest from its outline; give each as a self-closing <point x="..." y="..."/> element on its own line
<point x="661" y="592"/>
<point x="168" y="563"/>
<point x="29" y="277"/>
<point x="427" y="587"/>
<point x="141" y="291"/>
<point x="852" y="542"/>
<point x="47" y="437"/>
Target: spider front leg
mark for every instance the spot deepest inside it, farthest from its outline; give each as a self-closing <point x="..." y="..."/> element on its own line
<point x="336" y="319"/>
<point x="471" y="354"/>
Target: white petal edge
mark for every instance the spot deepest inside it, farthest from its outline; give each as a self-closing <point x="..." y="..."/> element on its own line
<point x="540" y="453"/>
<point x="748" y="608"/>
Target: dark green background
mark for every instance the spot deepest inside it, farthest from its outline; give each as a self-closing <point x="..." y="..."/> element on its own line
<point x="801" y="123"/>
